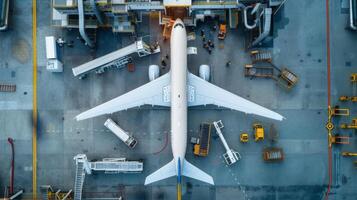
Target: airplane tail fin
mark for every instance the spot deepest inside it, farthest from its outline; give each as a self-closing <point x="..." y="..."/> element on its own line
<point x="192" y="171"/>
<point x="164" y="172"/>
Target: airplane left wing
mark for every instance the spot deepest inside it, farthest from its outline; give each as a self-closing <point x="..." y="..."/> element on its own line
<point x="151" y="93"/>
<point x="202" y="92"/>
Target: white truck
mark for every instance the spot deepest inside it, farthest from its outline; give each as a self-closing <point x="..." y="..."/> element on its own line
<point x="120" y="133"/>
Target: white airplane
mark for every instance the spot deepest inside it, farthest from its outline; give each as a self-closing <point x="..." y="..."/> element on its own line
<point x="179" y="89"/>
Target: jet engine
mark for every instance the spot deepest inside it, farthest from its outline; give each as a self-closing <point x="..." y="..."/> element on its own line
<point x="204" y="72"/>
<point x="154" y="72"/>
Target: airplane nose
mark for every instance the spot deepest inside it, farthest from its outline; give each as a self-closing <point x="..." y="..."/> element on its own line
<point x="179" y="23"/>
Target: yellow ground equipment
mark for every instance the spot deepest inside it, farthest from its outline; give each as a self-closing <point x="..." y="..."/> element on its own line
<point x="49" y="194"/>
<point x="261" y="56"/>
<point x="337" y="139"/>
<point x="287" y="78"/>
<point x="222" y="31"/>
<point x="272" y="154"/>
<point x="244" y="137"/>
<point x="353" y="125"/>
<point x="348" y="98"/>
<point x="168" y="23"/>
<point x="353" y="78"/>
<point x="258" y="132"/>
<point x="261" y="71"/>
<point x="201" y="148"/>
<point x="336" y="111"/>
<point x="284" y="77"/>
<point x="348" y="154"/>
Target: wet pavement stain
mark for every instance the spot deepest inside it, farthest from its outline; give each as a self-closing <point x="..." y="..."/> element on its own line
<point x="20" y="49"/>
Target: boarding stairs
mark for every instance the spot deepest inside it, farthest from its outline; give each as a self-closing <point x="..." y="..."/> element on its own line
<point x="107" y="165"/>
<point x="81" y="161"/>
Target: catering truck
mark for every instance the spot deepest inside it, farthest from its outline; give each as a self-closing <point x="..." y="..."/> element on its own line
<point x="120" y="133"/>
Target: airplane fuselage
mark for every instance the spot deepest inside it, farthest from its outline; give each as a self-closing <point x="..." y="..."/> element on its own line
<point x="178" y="92"/>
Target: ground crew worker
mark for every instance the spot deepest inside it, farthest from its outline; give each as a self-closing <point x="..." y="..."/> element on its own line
<point x="228" y="63"/>
<point x="163" y="63"/>
<point x="202" y="32"/>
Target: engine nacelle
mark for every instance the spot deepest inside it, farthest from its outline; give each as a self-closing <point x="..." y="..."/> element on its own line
<point x="204" y="72"/>
<point x="154" y="72"/>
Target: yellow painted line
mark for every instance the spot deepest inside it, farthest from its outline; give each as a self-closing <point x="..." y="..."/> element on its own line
<point x="34" y="100"/>
<point x="179" y="191"/>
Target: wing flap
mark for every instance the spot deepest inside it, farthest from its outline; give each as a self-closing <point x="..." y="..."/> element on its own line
<point x="149" y="94"/>
<point x="207" y="93"/>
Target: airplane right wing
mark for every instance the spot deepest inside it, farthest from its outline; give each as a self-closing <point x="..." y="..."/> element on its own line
<point x="152" y="93"/>
<point x="202" y="92"/>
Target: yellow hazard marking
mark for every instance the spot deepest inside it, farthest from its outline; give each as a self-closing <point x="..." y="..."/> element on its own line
<point x="34" y="100"/>
<point x="179" y="194"/>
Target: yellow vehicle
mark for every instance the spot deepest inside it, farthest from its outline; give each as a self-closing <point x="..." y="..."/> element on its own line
<point x="348" y="98"/>
<point x="344" y="98"/>
<point x="353" y="78"/>
<point x="258" y="132"/>
<point x="244" y="137"/>
<point x="202" y="147"/>
<point x="353" y="125"/>
<point x="222" y="31"/>
<point x="349" y="154"/>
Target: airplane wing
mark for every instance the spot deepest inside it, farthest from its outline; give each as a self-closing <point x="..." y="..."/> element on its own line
<point x="151" y="93"/>
<point x="205" y="93"/>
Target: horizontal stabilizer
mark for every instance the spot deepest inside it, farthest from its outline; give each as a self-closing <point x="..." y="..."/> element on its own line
<point x="192" y="171"/>
<point x="164" y="172"/>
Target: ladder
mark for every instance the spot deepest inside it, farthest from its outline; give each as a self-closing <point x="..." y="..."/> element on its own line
<point x="79" y="180"/>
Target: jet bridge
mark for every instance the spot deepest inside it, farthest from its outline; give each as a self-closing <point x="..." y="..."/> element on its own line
<point x="118" y="59"/>
<point x="107" y="165"/>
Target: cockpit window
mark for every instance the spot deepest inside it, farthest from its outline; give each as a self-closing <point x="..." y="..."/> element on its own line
<point x="178" y="24"/>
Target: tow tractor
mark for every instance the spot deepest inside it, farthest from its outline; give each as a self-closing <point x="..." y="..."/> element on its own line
<point x="231" y="156"/>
